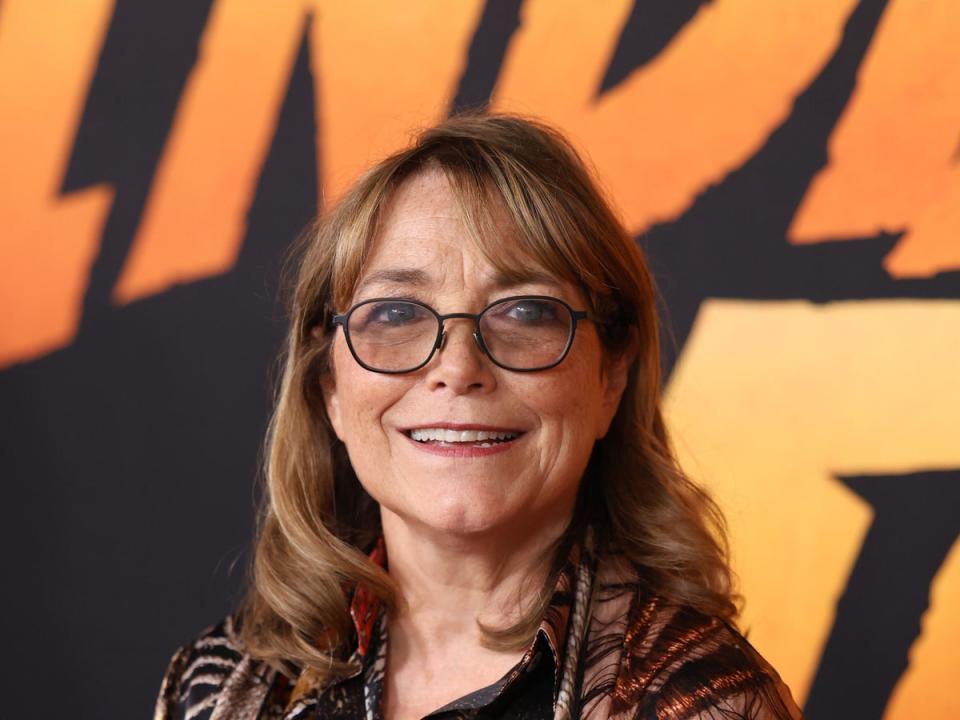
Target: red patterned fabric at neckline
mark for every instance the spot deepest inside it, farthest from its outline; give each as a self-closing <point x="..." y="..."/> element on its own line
<point x="365" y="606"/>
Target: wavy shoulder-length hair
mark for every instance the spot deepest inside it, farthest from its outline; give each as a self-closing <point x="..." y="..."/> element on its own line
<point x="317" y="521"/>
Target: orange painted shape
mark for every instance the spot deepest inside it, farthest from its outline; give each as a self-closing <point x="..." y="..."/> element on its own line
<point x="48" y="54"/>
<point x="195" y="216"/>
<point x="768" y="404"/>
<point x="932" y="241"/>
<point x="376" y="78"/>
<point x="893" y="157"/>
<point x="384" y="70"/>
<point x="693" y="114"/>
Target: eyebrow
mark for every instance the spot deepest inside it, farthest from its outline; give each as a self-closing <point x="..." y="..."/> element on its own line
<point x="421" y="278"/>
<point x="396" y="276"/>
<point x="524" y="276"/>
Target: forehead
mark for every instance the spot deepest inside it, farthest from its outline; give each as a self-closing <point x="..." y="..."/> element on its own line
<point x="422" y="216"/>
<point x="425" y="197"/>
<point x="424" y="235"/>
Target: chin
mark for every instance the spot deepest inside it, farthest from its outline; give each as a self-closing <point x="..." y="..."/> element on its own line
<point x="463" y="524"/>
<point x="459" y="517"/>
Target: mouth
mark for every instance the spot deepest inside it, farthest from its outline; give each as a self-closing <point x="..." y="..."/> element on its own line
<point x="461" y="437"/>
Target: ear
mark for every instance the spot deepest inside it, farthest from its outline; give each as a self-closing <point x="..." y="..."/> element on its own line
<point x="328" y="386"/>
<point x="615" y="376"/>
<point x="331" y="403"/>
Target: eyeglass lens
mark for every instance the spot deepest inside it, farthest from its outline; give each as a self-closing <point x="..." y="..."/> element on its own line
<point x="519" y="333"/>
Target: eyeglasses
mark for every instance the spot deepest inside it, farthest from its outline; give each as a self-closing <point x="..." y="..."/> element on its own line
<point x="522" y="333"/>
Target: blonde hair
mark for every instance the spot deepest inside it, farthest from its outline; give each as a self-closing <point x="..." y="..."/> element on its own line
<point x="317" y="520"/>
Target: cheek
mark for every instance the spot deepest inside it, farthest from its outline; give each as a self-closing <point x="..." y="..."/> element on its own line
<point x="358" y="400"/>
<point x="575" y="398"/>
<point x="569" y="408"/>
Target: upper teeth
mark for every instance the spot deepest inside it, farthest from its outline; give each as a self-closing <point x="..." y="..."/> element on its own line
<point x="445" y="435"/>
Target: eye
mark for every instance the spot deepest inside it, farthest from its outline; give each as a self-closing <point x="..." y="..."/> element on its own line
<point x="530" y="311"/>
<point x="391" y="314"/>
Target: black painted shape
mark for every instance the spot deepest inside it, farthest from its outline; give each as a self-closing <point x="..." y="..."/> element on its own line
<point x="499" y="20"/>
<point x="129" y="460"/>
<point x="878" y="616"/>
<point x="146" y="58"/>
<point x="732" y="242"/>
<point x="288" y="190"/>
<point x="651" y="26"/>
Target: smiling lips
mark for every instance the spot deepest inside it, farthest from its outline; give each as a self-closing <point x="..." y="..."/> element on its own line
<point x="446" y="435"/>
<point x="462" y="441"/>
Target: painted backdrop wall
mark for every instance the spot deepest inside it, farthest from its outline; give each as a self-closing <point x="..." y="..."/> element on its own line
<point x="791" y="167"/>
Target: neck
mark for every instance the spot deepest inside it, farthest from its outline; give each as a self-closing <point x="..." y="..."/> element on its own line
<point x="450" y="586"/>
<point x="448" y="583"/>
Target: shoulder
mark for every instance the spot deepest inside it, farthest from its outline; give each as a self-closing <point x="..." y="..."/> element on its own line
<point x="648" y="658"/>
<point x="680" y="663"/>
<point x="213" y="671"/>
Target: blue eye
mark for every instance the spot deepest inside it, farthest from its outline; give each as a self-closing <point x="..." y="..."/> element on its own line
<point x="395" y="313"/>
<point x="531" y="311"/>
<point x="390" y="314"/>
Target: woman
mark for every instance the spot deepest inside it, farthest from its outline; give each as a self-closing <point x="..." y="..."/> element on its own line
<point x="472" y="506"/>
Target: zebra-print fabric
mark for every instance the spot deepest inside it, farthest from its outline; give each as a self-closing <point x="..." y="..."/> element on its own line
<point x="213" y="679"/>
<point x="617" y="650"/>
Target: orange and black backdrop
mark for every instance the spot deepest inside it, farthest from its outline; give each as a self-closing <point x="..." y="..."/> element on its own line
<point x="791" y="167"/>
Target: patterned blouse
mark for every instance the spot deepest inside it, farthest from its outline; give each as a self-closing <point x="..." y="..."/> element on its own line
<point x="606" y="648"/>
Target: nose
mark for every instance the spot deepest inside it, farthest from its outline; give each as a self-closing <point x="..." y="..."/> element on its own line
<point x="460" y="364"/>
<point x="474" y="334"/>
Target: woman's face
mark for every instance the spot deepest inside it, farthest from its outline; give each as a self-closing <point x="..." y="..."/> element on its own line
<point x="527" y="484"/>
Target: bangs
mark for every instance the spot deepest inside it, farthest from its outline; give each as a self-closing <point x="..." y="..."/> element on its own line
<point x="517" y="224"/>
<point x="511" y="236"/>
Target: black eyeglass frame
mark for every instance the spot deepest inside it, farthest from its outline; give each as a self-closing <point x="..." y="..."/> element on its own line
<point x="343" y="320"/>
